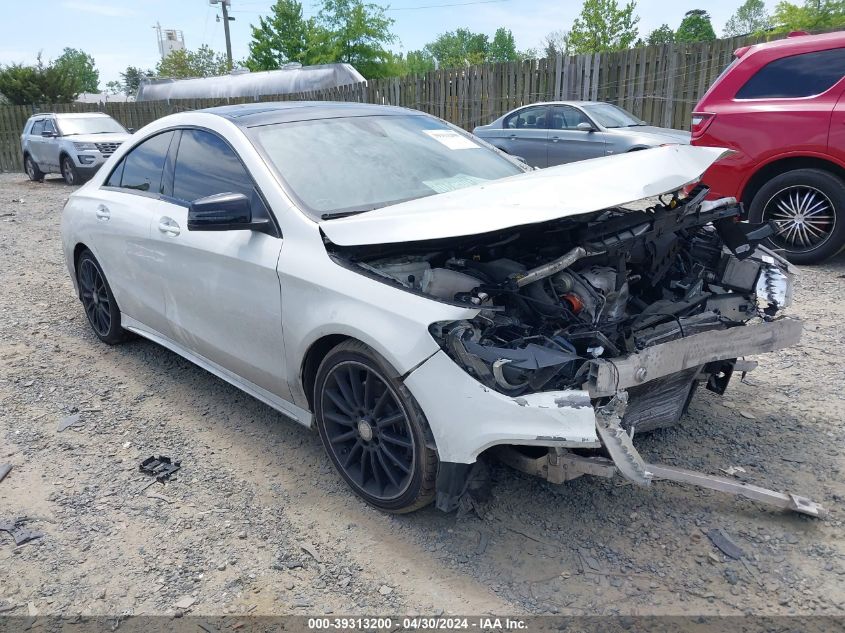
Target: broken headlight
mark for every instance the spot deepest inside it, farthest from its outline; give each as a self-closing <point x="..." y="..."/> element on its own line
<point x="524" y="364"/>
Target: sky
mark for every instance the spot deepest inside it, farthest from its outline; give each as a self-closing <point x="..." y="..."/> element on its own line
<point x="119" y="33"/>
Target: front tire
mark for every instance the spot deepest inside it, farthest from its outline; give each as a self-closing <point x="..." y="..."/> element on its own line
<point x="69" y="172"/>
<point x="97" y="299"/>
<point x="32" y="170"/>
<point x="373" y="430"/>
<point x="808" y="205"/>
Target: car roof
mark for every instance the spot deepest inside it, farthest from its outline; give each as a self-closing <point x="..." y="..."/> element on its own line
<point x="799" y="42"/>
<point x="80" y="115"/>
<point x="265" y="113"/>
<point x="70" y="115"/>
<point x="570" y="103"/>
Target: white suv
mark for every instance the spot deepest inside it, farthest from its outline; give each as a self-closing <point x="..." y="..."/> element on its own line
<point x="73" y="144"/>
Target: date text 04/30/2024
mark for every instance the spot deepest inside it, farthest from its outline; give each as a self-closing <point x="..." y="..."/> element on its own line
<point x="417" y="622"/>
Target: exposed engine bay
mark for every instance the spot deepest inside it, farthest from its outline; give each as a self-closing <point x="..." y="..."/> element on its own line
<point x="556" y="298"/>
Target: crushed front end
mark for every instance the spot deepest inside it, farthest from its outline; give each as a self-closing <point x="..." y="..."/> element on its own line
<point x="589" y="329"/>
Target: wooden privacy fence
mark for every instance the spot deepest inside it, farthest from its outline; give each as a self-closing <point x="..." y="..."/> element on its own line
<point x="660" y="84"/>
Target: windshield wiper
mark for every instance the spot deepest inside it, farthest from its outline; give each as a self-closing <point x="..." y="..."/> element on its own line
<point x="342" y="214"/>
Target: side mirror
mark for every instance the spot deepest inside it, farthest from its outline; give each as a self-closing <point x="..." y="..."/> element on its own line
<point x="585" y="127"/>
<point x="47" y="134"/>
<point x="224" y="212"/>
<point x="131" y="130"/>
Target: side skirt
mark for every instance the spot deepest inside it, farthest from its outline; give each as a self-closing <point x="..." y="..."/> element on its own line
<point x="289" y="409"/>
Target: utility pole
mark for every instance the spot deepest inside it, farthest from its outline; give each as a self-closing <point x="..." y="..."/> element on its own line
<point x="224" y="4"/>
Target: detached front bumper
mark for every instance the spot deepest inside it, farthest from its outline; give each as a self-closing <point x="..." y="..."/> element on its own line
<point x="606" y="377"/>
<point x="467" y="418"/>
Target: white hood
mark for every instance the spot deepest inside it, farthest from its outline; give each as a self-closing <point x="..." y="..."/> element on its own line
<point x="538" y="196"/>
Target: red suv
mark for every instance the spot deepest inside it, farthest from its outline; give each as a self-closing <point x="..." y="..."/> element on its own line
<point x="780" y="106"/>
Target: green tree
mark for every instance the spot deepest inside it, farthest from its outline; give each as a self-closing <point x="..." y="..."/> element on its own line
<point x="751" y="17"/>
<point x="663" y="34"/>
<point x="114" y="87"/>
<point x="813" y="15"/>
<point x="503" y="47"/>
<point x="604" y="26"/>
<point x="695" y="27"/>
<point x="419" y="62"/>
<point x="460" y="47"/>
<point x="184" y="64"/>
<point x="283" y="37"/>
<point x="354" y="32"/>
<point x="79" y="67"/>
<point x="557" y="43"/>
<point x="131" y="79"/>
<point x="28" y="85"/>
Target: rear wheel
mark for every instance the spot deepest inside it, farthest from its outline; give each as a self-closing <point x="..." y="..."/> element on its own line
<point x="69" y="172"/>
<point x="373" y="430"/>
<point x="35" y="174"/>
<point x="808" y="206"/>
<point x="98" y="300"/>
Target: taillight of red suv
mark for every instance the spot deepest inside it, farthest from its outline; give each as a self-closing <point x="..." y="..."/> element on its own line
<point x="700" y="122"/>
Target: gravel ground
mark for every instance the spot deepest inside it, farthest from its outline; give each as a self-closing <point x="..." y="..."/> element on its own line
<point x="258" y="522"/>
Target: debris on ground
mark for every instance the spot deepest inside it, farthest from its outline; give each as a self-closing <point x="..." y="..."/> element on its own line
<point x="16" y="529"/>
<point x="185" y="602"/>
<point x="160" y="467"/>
<point x="732" y="470"/>
<point x="68" y="421"/>
<point x="724" y="543"/>
<point x="5" y="469"/>
<point x="310" y="551"/>
<point x="155" y="495"/>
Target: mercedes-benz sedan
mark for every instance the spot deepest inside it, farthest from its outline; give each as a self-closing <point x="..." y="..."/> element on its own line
<point x="418" y="296"/>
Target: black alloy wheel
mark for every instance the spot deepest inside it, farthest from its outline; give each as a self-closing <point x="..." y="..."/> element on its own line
<point x="98" y="300"/>
<point x="373" y="431"/>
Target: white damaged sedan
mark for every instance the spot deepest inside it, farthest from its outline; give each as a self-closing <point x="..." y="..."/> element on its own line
<point x="423" y="299"/>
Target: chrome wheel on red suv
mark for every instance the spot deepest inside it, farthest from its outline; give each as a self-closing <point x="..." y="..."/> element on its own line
<point x="807" y="205"/>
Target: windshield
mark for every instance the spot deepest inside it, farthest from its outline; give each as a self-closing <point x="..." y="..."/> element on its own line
<point x="354" y="164"/>
<point x="612" y="116"/>
<point x="89" y="125"/>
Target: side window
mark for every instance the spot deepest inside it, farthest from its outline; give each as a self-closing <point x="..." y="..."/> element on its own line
<point x="797" y="76"/>
<point x="49" y="127"/>
<point x="114" y="178"/>
<point x="567" y="118"/>
<point x="528" y="118"/>
<point x="206" y="165"/>
<point x="37" y="128"/>
<point x="141" y="169"/>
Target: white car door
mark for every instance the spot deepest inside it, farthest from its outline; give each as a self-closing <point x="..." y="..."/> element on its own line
<point x="121" y="225"/>
<point x="222" y="292"/>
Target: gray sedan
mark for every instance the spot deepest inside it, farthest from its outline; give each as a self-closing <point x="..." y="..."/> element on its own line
<point x="547" y="134"/>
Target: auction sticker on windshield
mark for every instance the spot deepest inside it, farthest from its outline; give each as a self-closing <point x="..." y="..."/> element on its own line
<point x="451" y="139"/>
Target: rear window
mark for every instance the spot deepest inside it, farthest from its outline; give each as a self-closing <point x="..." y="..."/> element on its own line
<point x="804" y="75"/>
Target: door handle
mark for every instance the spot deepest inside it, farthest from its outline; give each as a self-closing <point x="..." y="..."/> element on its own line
<point x="555" y="139"/>
<point x="102" y="212"/>
<point x="168" y="226"/>
<point x="512" y="137"/>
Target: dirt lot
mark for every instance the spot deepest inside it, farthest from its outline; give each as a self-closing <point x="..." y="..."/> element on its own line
<point x="257" y="521"/>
